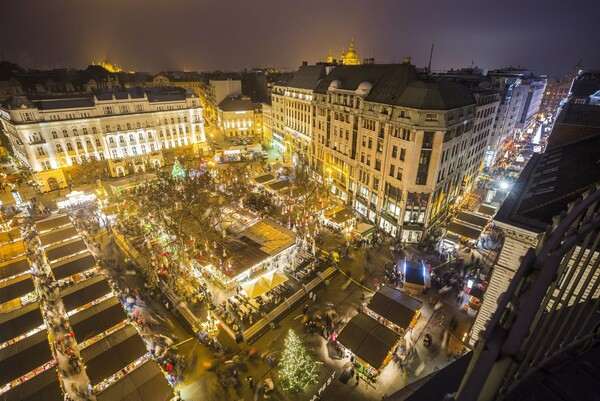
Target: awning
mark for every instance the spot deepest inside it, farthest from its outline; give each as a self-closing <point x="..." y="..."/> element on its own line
<point x="20" y="321"/>
<point x="368" y="339"/>
<point x="364" y="229"/>
<point x="14" y="267"/>
<point x="43" y="386"/>
<point x="394" y="306"/>
<point x="263" y="179"/>
<point x="255" y="288"/>
<point x="16" y="288"/>
<point x="464" y="230"/>
<point x="52" y="222"/>
<point x="487" y="210"/>
<point x="273" y="279"/>
<point x="105" y="358"/>
<point x="84" y="292"/>
<point x="54" y="236"/>
<point x="145" y="383"/>
<point x="278" y="185"/>
<point x="62" y="250"/>
<point x="473" y="219"/>
<point x="24" y="356"/>
<point x="73" y="265"/>
<point x="97" y="319"/>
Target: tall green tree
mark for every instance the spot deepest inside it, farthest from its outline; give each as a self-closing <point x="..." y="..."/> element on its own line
<point x="297" y="369"/>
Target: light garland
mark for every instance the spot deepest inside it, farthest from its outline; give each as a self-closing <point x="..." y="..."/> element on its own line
<point x="297" y="368"/>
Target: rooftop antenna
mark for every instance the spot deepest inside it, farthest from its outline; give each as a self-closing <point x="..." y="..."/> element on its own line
<point x="430" y="57"/>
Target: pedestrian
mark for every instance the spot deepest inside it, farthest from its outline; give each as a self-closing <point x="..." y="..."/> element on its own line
<point x="250" y="381"/>
<point x="305" y="309"/>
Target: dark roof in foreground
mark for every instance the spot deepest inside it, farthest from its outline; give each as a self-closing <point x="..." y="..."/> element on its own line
<point x="236" y="103"/>
<point x="398" y="84"/>
<point x="44" y="386"/>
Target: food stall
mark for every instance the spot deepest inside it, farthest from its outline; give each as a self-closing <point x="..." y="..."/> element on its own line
<point x="396" y="310"/>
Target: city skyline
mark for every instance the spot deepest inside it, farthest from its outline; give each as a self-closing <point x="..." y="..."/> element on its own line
<point x="233" y="36"/>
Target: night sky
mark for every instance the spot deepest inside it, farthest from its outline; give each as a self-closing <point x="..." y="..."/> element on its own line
<point x="547" y="36"/>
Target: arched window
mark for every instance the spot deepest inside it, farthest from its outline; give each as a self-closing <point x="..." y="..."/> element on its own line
<point x="121" y="139"/>
<point x="69" y="146"/>
<point x="107" y="128"/>
<point x="172" y="120"/>
<point x="79" y="145"/>
<point x="141" y="136"/>
<point x="94" y="130"/>
<point x="131" y="138"/>
<point x="65" y="133"/>
<point x="98" y="143"/>
<point x="162" y="135"/>
<point x="75" y="133"/>
<point x="166" y="121"/>
<point x="118" y="127"/>
<point x="150" y="135"/>
<point x="88" y="143"/>
<point x="184" y="119"/>
<point x="84" y="130"/>
<point x="111" y="140"/>
<point x="179" y="120"/>
<point x="128" y="126"/>
<point x="59" y="148"/>
<point x="54" y="135"/>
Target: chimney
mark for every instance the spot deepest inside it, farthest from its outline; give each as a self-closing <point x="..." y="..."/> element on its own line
<point x="406" y="60"/>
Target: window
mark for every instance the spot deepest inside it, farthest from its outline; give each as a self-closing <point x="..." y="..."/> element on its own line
<point x="118" y="127"/>
<point x="428" y="140"/>
<point x="375" y="184"/>
<point x="101" y="155"/>
<point x="399" y="174"/>
<point x="179" y="120"/>
<point x="377" y="164"/>
<point x="172" y="120"/>
<point x="75" y="133"/>
<point x="114" y="153"/>
<point x="131" y="138"/>
<point x="431" y="117"/>
<point x="111" y="140"/>
<point x="370" y="146"/>
<point x="122" y="140"/>
<point x="98" y="143"/>
<point x="46" y="165"/>
<point x="107" y="128"/>
<point x="141" y="136"/>
<point x="128" y="126"/>
<point x="65" y="133"/>
<point x="54" y="135"/>
<point x="79" y="145"/>
<point x="402" y="154"/>
<point x="94" y="130"/>
<point x="150" y="135"/>
<point x="69" y="146"/>
<point x="59" y="148"/>
<point x="84" y="130"/>
<point x="395" y="151"/>
<point x="108" y="110"/>
<point x="185" y="119"/>
<point x="88" y="143"/>
<point x="392" y="170"/>
<point x="138" y="125"/>
<point x="362" y="157"/>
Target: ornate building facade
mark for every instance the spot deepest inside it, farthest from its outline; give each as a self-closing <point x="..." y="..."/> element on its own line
<point x="49" y="133"/>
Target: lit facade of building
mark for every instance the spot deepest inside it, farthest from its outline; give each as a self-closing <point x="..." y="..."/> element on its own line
<point x="216" y="91"/>
<point x="239" y="116"/>
<point x="396" y="148"/>
<point x="49" y="133"/>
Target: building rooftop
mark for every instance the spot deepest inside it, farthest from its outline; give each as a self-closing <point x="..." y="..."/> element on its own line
<point x="550" y="182"/>
<point x="308" y="76"/>
<point x="236" y="103"/>
<point x="397" y="84"/>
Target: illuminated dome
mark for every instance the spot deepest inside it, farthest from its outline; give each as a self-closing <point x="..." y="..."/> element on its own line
<point x="363" y="89"/>
<point x="351" y="57"/>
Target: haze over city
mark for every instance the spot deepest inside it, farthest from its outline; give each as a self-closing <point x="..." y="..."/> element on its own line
<point x="156" y="35"/>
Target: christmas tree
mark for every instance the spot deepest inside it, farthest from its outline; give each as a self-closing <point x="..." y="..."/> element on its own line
<point x="296" y="367"/>
<point x="178" y="172"/>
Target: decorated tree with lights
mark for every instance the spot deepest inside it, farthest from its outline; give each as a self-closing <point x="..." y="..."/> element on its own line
<point x="178" y="172"/>
<point x="296" y="367"/>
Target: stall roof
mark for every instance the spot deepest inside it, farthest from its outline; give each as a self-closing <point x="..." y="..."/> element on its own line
<point x="473" y="219"/>
<point x="52" y="222"/>
<point x="24" y="356"/>
<point x="145" y="383"/>
<point x="278" y="185"/>
<point x="44" y="386"/>
<point x="464" y="230"/>
<point x="13" y="267"/>
<point x="54" y="236"/>
<point x="271" y="238"/>
<point x="20" y="321"/>
<point x="97" y="319"/>
<point x="73" y="265"/>
<point x="394" y="306"/>
<point x="128" y="182"/>
<point x="15" y="288"/>
<point x="68" y="248"/>
<point x="263" y="179"/>
<point x="364" y="229"/>
<point x="368" y="339"/>
<point x="84" y="292"/>
<point x="116" y="351"/>
<point x="487" y="210"/>
<point x="452" y="237"/>
<point x="339" y="214"/>
<point x="12" y="250"/>
<point x="9" y="236"/>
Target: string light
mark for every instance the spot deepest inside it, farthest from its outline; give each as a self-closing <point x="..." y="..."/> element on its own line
<point x="297" y="367"/>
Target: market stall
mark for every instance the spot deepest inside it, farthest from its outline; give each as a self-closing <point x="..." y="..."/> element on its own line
<point x="363" y="230"/>
<point x="52" y="222"/>
<point x="464" y="230"/>
<point x="76" y="199"/>
<point x="415" y="276"/>
<point x="398" y="311"/>
<point x="486" y="210"/>
<point x="146" y="382"/>
<point x="125" y="185"/>
<point x="473" y="219"/>
<point x="339" y="217"/>
<point x="372" y="344"/>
